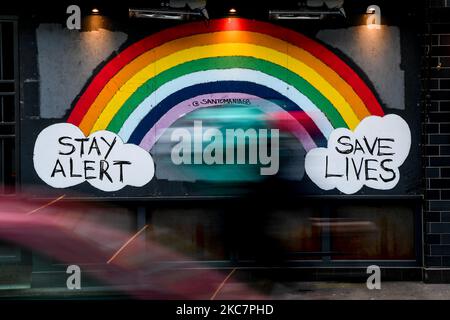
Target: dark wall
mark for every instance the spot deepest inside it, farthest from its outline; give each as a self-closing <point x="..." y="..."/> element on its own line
<point x="436" y="135"/>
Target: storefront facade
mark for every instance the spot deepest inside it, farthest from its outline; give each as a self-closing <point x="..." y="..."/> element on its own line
<point x="349" y="115"/>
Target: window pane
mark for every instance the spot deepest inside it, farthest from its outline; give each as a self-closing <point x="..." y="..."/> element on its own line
<point x="373" y="232"/>
<point x="194" y="233"/>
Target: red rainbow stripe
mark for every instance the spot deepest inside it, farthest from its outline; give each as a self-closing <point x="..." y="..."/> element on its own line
<point x="227" y="24"/>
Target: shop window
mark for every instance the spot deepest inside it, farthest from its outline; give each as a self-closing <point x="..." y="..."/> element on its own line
<point x="372" y="232"/>
<point x="8" y="106"/>
<point x="8" y="123"/>
<point x="297" y="232"/>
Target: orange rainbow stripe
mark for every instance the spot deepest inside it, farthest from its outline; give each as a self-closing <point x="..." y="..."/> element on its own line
<point x="148" y="67"/>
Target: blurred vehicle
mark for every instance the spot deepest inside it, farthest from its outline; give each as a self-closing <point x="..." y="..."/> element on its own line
<point x="117" y="264"/>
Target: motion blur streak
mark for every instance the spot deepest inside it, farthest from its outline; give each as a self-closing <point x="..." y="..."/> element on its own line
<point x="222" y="284"/>
<point x="127" y="243"/>
<point x="47" y="204"/>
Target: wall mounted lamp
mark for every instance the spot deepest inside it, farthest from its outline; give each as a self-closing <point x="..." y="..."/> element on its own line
<point x="374" y="18"/>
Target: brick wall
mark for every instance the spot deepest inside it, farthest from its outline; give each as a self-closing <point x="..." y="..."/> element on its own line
<point x="436" y="140"/>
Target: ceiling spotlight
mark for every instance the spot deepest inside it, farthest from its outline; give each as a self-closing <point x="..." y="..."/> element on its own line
<point x="232" y="11"/>
<point x="95" y="11"/>
<point x="374" y="18"/>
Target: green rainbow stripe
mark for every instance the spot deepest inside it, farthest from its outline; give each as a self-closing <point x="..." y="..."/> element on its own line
<point x="226" y="63"/>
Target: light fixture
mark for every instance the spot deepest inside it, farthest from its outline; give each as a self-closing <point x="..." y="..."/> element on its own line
<point x="374" y="18"/>
<point x="303" y="14"/>
<point x="166" y="14"/>
<point x="232" y="11"/>
<point x="311" y="10"/>
<point x="95" y="11"/>
<point x="173" y="10"/>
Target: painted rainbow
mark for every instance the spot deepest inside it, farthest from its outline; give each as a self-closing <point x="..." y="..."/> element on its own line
<point x="149" y="85"/>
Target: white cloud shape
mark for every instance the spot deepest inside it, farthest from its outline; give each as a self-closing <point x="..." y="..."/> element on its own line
<point x="370" y="155"/>
<point x="64" y="157"/>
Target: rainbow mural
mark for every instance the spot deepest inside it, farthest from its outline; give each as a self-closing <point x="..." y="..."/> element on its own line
<point x="149" y="85"/>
